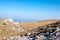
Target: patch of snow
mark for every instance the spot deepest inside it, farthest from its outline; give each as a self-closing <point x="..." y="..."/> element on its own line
<point x="0" y="31"/>
<point x="16" y="23"/>
<point x="9" y="20"/>
<point x="0" y="25"/>
<point x="20" y="29"/>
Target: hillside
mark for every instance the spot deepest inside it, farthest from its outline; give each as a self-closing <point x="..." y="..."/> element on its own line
<point x="31" y="25"/>
<point x="10" y="28"/>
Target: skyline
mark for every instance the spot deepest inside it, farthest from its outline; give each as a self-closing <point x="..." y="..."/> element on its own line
<point x="30" y="10"/>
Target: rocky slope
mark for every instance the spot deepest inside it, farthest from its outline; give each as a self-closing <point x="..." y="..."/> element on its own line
<point x="27" y="26"/>
<point x="10" y="28"/>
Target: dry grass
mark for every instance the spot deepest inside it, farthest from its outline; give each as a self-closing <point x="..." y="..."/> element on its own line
<point x="25" y="25"/>
<point x="31" y="25"/>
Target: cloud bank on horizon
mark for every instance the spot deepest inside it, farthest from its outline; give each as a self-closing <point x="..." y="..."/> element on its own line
<point x="30" y="10"/>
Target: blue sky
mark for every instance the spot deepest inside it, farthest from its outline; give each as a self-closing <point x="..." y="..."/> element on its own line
<point x="30" y="10"/>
